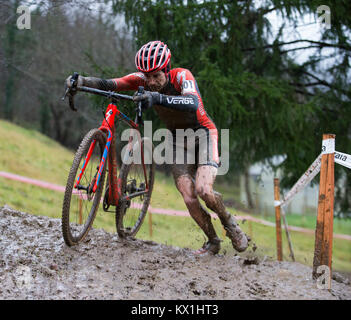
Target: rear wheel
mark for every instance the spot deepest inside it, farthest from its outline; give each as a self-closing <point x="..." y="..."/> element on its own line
<point x="130" y="213"/>
<point x="80" y="203"/>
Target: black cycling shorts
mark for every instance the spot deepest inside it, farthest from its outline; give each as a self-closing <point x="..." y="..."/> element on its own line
<point x="192" y="150"/>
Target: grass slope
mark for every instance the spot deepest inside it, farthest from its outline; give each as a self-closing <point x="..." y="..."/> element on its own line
<point x="29" y="153"/>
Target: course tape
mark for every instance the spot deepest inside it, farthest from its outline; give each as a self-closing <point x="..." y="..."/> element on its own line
<point x="328" y="147"/>
<point x="42" y="184"/>
<point x="343" y="159"/>
<point x="340" y="158"/>
<point x="306" y="178"/>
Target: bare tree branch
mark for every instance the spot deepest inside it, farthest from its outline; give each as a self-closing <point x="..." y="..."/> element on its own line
<point x="267" y="10"/>
<point x="305" y="84"/>
<point x="321" y="82"/>
<point x="299" y="48"/>
<point x="319" y="43"/>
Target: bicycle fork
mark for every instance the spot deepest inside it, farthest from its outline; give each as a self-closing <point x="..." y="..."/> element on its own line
<point x="107" y="125"/>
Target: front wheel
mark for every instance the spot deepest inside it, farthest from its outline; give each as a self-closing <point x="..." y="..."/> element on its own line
<point x="131" y="212"/>
<point x="80" y="202"/>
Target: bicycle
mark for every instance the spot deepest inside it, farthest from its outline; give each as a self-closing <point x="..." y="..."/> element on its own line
<point x="86" y="177"/>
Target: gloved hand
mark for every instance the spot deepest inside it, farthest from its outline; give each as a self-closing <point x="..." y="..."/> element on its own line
<point x="80" y="83"/>
<point x="148" y="99"/>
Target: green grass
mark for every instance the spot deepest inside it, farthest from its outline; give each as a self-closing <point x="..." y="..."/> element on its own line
<point x="28" y="153"/>
<point x="31" y="154"/>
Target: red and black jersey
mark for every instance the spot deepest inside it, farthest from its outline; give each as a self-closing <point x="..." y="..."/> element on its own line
<point x="181" y="106"/>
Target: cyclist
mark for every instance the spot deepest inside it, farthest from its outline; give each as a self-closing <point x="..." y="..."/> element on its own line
<point x="186" y="111"/>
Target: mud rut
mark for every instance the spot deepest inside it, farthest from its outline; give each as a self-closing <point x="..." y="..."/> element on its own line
<point x="36" y="264"/>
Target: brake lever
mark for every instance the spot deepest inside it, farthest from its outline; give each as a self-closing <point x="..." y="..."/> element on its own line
<point x="139" y="109"/>
<point x="71" y="103"/>
<point x="65" y="94"/>
<point x="70" y="99"/>
<point x="74" y="80"/>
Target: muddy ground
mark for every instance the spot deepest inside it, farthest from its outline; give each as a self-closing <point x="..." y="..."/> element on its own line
<point x="35" y="263"/>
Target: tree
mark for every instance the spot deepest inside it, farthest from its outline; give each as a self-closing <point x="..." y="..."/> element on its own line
<point x="35" y="63"/>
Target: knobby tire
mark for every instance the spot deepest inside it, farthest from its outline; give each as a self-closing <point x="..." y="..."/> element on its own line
<point x="70" y="240"/>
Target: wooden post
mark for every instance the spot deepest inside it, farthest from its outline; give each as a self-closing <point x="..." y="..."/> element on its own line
<point x="278" y="227"/>
<point x="150" y="224"/>
<point x="287" y="234"/>
<point x="80" y="203"/>
<point x="324" y="227"/>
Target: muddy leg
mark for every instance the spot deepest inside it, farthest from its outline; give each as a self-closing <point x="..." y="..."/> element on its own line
<point x="187" y="189"/>
<point x="205" y="177"/>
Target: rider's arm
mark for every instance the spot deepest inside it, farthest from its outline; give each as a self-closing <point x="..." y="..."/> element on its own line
<point x="129" y="82"/>
<point x="101" y="84"/>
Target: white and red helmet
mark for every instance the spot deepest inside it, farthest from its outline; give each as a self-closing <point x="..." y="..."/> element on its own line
<point x="153" y="56"/>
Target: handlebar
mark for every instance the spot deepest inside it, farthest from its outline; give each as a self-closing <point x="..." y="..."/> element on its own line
<point x="107" y="94"/>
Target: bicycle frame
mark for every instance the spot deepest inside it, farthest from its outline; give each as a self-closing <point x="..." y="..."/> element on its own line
<point x="108" y="127"/>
